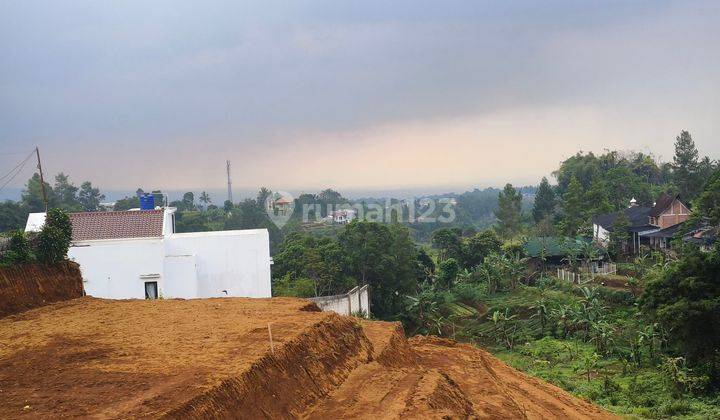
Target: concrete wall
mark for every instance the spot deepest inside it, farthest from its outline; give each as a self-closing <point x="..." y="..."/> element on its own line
<point x="180" y="277"/>
<point x="187" y="265"/>
<point x="355" y="301"/>
<point x="229" y="263"/>
<point x="118" y="269"/>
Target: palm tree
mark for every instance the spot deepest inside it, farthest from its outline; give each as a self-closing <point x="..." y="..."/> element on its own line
<point x="514" y="268"/>
<point x="541" y="313"/>
<point x="651" y="337"/>
<point x="642" y="264"/>
<point x="589" y="363"/>
<point x="563" y="315"/>
<point x="205" y="198"/>
<point x="505" y="326"/>
<point x="603" y="334"/>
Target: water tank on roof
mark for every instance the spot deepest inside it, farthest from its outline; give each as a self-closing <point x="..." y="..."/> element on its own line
<point x="147" y="202"/>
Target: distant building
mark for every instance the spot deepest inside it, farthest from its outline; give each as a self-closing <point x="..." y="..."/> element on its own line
<point x="705" y="237"/>
<point x="281" y="206"/>
<point x="650" y="226"/>
<point x="342" y="216"/>
<point x="136" y="254"/>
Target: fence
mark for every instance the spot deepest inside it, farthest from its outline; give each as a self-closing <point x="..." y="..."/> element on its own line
<point x="356" y="301"/>
<point x="595" y="269"/>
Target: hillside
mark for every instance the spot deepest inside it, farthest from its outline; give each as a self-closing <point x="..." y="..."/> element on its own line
<point x="213" y="358"/>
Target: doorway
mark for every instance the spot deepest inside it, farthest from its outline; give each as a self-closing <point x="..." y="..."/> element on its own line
<point x="151" y="290"/>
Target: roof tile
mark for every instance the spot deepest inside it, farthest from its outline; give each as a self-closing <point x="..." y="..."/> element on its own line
<point x="117" y="224"/>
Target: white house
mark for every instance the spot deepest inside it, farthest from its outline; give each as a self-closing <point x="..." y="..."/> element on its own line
<point x="137" y="254"/>
<point x="342" y="216"/>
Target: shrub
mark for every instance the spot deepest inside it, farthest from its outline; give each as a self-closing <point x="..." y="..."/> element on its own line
<point x="54" y="239"/>
<point x="18" y="251"/>
<point x="469" y="292"/>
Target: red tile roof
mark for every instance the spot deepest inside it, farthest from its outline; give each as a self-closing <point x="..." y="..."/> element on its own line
<point x="116" y="224"/>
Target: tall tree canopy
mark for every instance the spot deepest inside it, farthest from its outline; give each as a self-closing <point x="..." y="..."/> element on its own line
<point x="508" y="212"/>
<point x="685" y="299"/>
<point x="544" y="205"/>
<point x="573" y="204"/>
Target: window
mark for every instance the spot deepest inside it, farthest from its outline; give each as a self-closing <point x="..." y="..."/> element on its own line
<point x="151" y="290"/>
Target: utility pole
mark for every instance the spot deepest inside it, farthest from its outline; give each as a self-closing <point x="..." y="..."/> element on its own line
<point x="227" y="162"/>
<point x="42" y="180"/>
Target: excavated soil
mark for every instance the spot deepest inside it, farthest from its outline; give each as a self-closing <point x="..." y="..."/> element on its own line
<point x="213" y="358"/>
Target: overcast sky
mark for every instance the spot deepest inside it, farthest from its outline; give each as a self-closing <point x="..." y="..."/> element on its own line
<point x="352" y="95"/>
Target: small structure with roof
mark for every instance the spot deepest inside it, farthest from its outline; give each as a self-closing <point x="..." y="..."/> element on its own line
<point x="137" y="254"/>
<point x="653" y="226"/>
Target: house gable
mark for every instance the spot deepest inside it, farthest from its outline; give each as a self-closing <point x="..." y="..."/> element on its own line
<point x="668" y="211"/>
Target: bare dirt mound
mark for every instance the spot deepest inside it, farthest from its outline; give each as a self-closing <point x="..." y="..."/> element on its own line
<point x="213" y="358"/>
<point x="28" y="286"/>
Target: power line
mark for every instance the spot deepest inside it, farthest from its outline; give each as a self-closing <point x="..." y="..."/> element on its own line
<point x="15" y="171"/>
<point x="16" y="166"/>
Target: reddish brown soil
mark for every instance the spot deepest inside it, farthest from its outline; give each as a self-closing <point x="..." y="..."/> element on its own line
<point x="212" y="358"/>
<point x="28" y="286"/>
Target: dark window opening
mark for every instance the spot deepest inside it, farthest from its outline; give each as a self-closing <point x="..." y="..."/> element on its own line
<point x="151" y="290"/>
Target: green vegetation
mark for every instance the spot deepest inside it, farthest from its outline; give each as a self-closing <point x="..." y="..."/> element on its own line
<point x="49" y="246"/>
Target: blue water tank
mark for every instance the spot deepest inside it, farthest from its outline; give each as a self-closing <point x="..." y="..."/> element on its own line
<point x="147" y="202"/>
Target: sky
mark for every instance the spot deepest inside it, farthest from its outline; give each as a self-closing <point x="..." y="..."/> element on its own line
<point x="355" y="95"/>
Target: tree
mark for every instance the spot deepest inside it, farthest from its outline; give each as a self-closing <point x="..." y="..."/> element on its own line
<point x="127" y="203"/>
<point x="573" y="208"/>
<point x="205" y="199"/>
<point x="448" y="242"/>
<point x="90" y="197"/>
<point x="544" y="205"/>
<point x="685" y="298"/>
<point x="12" y="216"/>
<point x="542" y="312"/>
<point x="685" y="166"/>
<point x="707" y="206"/>
<point x="32" y="196"/>
<point x="66" y="193"/>
<point x="384" y="257"/>
<point x="505" y="327"/>
<point x="508" y="211"/>
<point x="619" y="236"/>
<point x="479" y="246"/>
<point x="320" y="260"/>
<point x="188" y="201"/>
<point x="596" y="199"/>
<point x="448" y="273"/>
<point x="54" y="239"/>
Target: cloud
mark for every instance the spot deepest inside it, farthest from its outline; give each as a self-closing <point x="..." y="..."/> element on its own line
<point x="186" y="86"/>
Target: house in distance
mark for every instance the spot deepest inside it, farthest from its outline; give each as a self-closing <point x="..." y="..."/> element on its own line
<point x="136" y="254"/>
<point x="653" y="226"/>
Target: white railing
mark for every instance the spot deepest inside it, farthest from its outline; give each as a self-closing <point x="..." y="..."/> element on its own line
<point x="595" y="269"/>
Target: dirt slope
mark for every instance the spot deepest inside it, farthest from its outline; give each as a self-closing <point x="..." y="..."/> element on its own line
<point x="212" y="358"/>
<point x="28" y="286"/>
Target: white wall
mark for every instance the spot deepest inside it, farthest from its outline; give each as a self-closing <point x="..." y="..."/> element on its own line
<point x="229" y="263"/>
<point x="354" y="301"/>
<point x="118" y="269"/>
<point x="600" y="234"/>
<point x="186" y="265"/>
<point x="180" y="277"/>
